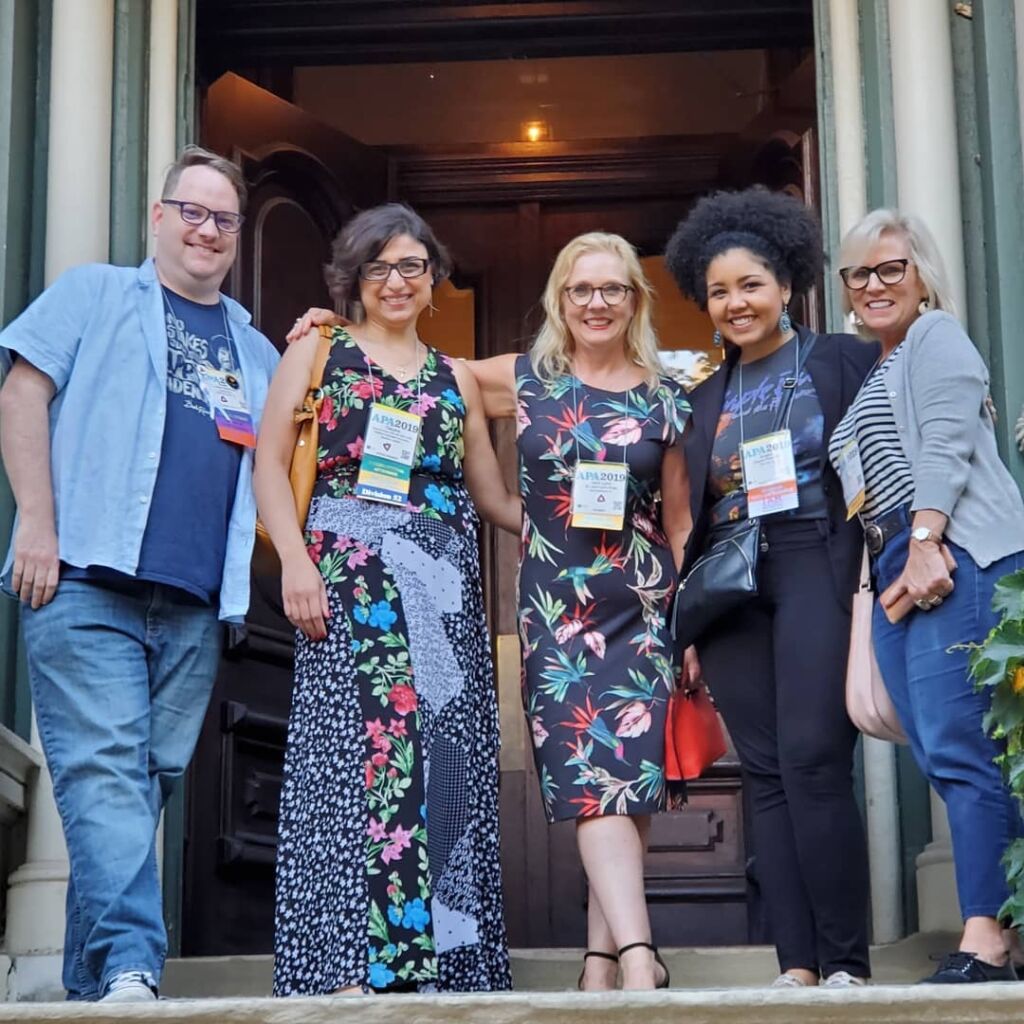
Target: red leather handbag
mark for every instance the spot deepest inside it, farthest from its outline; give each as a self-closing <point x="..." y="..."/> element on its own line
<point x="694" y="739"/>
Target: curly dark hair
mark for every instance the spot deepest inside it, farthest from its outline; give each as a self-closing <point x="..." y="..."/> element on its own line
<point x="775" y="227"/>
<point x="363" y="238"/>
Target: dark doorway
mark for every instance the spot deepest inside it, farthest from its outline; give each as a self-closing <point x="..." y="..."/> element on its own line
<point x="315" y="116"/>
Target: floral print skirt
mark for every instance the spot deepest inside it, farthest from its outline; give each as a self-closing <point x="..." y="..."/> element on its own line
<point x="388" y="871"/>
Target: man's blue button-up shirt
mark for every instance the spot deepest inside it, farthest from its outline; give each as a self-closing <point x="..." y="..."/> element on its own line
<point x="98" y="333"/>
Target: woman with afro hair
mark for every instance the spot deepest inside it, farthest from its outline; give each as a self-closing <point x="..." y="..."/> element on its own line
<point x="776" y="665"/>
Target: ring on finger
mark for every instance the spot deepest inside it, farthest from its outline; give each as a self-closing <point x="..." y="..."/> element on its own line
<point x="924" y="605"/>
<point x="935" y="600"/>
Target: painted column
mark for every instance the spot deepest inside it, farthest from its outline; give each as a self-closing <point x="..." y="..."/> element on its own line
<point x="1018" y="24"/>
<point x="924" y="111"/>
<point x="81" y="97"/>
<point x="77" y="231"/>
<point x="848" y="113"/>
<point x="850" y="183"/>
<point x="163" y="96"/>
<point x="928" y="176"/>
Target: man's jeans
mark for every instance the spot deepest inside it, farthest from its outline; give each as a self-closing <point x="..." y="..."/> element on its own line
<point x="121" y="678"/>
<point x="925" y="672"/>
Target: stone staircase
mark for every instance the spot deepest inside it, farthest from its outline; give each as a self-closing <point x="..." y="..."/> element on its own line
<point x="710" y="986"/>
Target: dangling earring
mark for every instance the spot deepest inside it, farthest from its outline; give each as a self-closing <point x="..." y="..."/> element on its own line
<point x="716" y="338"/>
<point x="923" y="306"/>
<point x="785" y="322"/>
<point x="857" y="321"/>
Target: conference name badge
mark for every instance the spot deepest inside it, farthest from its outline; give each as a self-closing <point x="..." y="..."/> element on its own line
<point x="769" y="474"/>
<point x="851" y="475"/>
<point x="389" y="451"/>
<point x="226" y="397"/>
<point x="599" y="495"/>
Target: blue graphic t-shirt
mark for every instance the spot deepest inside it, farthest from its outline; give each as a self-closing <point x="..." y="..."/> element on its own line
<point x="762" y="394"/>
<point x="186" y="534"/>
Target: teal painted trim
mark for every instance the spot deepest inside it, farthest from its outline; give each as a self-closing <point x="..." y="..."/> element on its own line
<point x="174" y="812"/>
<point x="17" y="80"/>
<point x="915" y="828"/>
<point x="130" y="116"/>
<point x="971" y="197"/>
<point x="1002" y="190"/>
<point x="876" y="79"/>
<point x="187" y="89"/>
<point x="41" y="158"/>
<point x="828" y="182"/>
<point x="23" y="33"/>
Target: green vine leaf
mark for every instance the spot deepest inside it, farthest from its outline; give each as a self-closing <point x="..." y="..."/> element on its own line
<point x="1008" y="600"/>
<point x="1000" y="654"/>
<point x="1005" y="714"/>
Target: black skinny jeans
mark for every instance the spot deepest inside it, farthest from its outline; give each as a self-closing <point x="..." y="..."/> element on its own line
<point x="776" y="669"/>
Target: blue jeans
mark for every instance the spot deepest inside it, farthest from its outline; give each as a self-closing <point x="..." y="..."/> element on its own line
<point x="121" y="678"/>
<point x="942" y="714"/>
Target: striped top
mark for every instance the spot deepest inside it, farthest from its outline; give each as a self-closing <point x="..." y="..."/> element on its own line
<point x="888" y="481"/>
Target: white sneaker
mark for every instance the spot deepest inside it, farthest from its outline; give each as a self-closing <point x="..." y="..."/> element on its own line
<point x="788" y="981"/>
<point x="130" y="987"/>
<point x="842" y="979"/>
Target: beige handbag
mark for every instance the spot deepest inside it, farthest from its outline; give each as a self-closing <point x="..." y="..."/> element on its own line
<point x="867" y="701"/>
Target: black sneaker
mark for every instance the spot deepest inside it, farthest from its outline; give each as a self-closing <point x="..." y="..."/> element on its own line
<point x="961" y="968"/>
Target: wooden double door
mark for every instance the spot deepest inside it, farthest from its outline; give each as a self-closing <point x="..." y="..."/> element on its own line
<point x="504" y="219"/>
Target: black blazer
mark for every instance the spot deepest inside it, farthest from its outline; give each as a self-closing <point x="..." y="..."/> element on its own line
<point x="837" y="365"/>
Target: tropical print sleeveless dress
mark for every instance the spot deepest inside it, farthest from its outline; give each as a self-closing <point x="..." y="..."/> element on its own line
<point x="388" y="873"/>
<point x="594" y="604"/>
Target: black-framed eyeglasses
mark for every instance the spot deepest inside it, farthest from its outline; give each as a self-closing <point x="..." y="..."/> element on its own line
<point x="888" y="272"/>
<point x="612" y="294"/>
<point x="196" y="214"/>
<point x="380" y="270"/>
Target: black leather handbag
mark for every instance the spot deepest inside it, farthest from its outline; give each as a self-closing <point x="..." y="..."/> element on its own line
<point x="725" y="576"/>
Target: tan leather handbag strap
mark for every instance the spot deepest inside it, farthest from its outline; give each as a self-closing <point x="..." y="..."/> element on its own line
<point x="323" y="352"/>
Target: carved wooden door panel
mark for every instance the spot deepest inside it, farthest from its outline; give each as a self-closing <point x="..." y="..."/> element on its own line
<point x="305" y="180"/>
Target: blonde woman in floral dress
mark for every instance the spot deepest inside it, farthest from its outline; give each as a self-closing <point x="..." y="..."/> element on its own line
<point x="388" y="872"/>
<point x="594" y="601"/>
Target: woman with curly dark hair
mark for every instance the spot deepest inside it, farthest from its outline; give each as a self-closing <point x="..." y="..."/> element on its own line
<point x="757" y="447"/>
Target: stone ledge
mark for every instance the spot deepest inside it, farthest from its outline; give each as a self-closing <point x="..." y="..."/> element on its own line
<point x="968" y="1004"/>
<point x="553" y="970"/>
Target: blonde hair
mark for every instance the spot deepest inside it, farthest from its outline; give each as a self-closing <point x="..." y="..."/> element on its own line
<point x="924" y="253"/>
<point x="551" y="352"/>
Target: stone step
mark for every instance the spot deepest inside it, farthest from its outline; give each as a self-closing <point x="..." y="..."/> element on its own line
<point x="953" y="1004"/>
<point x="552" y="970"/>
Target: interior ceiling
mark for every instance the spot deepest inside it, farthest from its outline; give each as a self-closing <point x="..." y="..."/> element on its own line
<point x="562" y="98"/>
<point x="252" y="33"/>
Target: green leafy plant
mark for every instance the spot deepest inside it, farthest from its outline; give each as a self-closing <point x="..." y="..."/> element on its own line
<point x="997" y="665"/>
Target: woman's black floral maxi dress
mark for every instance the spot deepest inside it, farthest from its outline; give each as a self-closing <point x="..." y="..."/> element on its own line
<point x="593" y="604"/>
<point x="387" y="871"/>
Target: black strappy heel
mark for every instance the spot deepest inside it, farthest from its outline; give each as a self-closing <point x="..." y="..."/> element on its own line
<point x="594" y="952"/>
<point x="657" y="959"/>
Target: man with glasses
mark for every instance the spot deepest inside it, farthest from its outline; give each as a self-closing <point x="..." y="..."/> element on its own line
<point x="127" y="423"/>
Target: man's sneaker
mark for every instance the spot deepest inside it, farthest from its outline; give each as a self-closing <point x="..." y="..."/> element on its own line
<point x="843" y="979"/>
<point x="961" y="968"/>
<point x="130" y="987"/>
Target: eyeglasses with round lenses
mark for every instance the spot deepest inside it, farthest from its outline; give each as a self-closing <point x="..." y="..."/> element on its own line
<point x="612" y="294"/>
<point x="196" y="214"/>
<point x="889" y="272"/>
<point x="380" y="270"/>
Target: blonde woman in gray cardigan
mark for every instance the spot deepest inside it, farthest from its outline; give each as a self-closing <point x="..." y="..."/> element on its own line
<point x="916" y="452"/>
